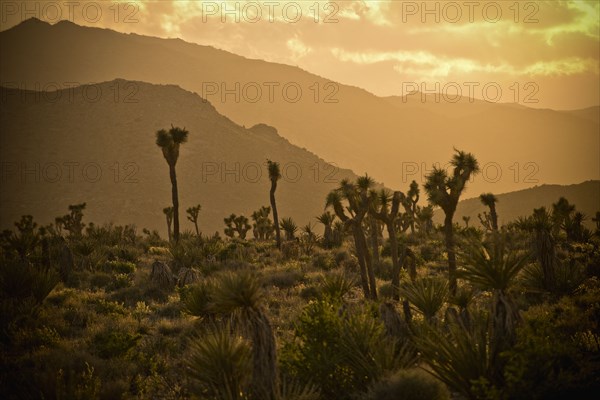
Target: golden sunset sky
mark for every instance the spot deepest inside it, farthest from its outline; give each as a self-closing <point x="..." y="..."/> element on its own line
<point x="541" y="54"/>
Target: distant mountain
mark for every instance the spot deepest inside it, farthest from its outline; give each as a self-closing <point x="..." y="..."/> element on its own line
<point x="391" y="139"/>
<point x="510" y="206"/>
<point x="96" y="144"/>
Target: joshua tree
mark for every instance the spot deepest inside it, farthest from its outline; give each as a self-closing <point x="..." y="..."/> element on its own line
<point x="274" y="176"/>
<point x="237" y="224"/>
<point x="169" y="142"/>
<point x="72" y="221"/>
<point x="289" y="227"/>
<point x="444" y="191"/>
<point x="262" y="227"/>
<point x="466" y="219"/>
<point x="327" y="219"/>
<point x="489" y="200"/>
<point x="358" y="205"/>
<point x="412" y="198"/>
<point x="387" y="212"/>
<point x="425" y="219"/>
<point x="597" y="221"/>
<point x="168" y="211"/>
<point x="193" y="216"/>
<point x="562" y="211"/>
<point x="373" y="230"/>
<point x="544" y="246"/>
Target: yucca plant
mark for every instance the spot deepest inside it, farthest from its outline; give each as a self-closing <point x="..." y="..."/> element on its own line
<point x="240" y="296"/>
<point x="494" y="267"/>
<point x="427" y="295"/>
<point x="459" y="357"/>
<point x="289" y="227"/>
<point x="336" y="285"/>
<point x="219" y="365"/>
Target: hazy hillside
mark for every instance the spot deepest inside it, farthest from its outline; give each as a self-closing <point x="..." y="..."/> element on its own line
<point x="72" y="149"/>
<point x="585" y="196"/>
<point x="518" y="146"/>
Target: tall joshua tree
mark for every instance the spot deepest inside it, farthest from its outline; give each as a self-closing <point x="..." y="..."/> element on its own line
<point x="274" y="176"/>
<point x="192" y="216"/>
<point x="168" y="211"/>
<point x="169" y="142"/>
<point x="444" y="191"/>
<point x="358" y="205"/>
<point x="387" y="212"/>
<point x="489" y="200"/>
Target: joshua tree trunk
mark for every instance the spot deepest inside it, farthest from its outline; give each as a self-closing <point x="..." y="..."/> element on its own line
<point x="197" y="230"/>
<point x="494" y="217"/>
<point x="395" y="260"/>
<point x="175" y="196"/>
<point x="374" y="240"/>
<point x="449" y="235"/>
<point x="169" y="222"/>
<point x="264" y="356"/>
<point x="369" y="264"/>
<point x="364" y="280"/>
<point x="275" y="216"/>
<point x="328" y="236"/>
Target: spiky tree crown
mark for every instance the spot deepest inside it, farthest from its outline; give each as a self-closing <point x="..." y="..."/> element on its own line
<point x="274" y="170"/>
<point x="169" y="142"/>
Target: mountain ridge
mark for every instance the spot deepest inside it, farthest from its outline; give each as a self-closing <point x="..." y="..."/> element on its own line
<point x="361" y="131"/>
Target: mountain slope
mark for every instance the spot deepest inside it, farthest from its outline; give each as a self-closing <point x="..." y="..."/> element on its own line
<point x="517" y="146"/>
<point x="96" y="144"/>
<point x="510" y="206"/>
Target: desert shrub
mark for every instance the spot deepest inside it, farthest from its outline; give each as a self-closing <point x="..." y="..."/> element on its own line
<point x="557" y="353"/>
<point x="120" y="267"/>
<point x="341" y="256"/>
<point x="290" y="250"/>
<point x="124" y="253"/>
<point x="100" y="280"/>
<point x="310" y="293"/>
<point x="383" y="269"/>
<point x="186" y="254"/>
<point x="107" y="307"/>
<point x="430" y="252"/>
<point x="111" y="342"/>
<point x="323" y="260"/>
<point x="409" y="384"/>
<point x="284" y="279"/>
<point x="23" y="288"/>
<point x="386" y="291"/>
<point x="340" y="352"/>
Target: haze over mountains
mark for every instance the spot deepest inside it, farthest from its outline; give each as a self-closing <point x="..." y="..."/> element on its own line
<point x="510" y="206"/>
<point x="62" y="148"/>
<point x="393" y="139"/>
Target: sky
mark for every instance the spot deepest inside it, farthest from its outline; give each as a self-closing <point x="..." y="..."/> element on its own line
<point x="542" y="54"/>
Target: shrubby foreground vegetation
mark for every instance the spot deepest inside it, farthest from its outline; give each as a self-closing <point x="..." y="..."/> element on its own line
<point x="382" y="305"/>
